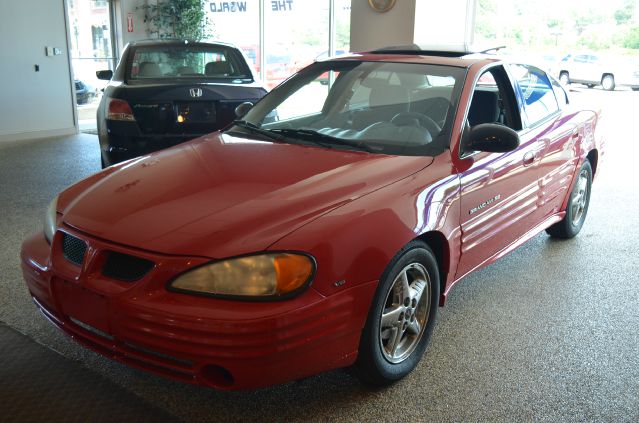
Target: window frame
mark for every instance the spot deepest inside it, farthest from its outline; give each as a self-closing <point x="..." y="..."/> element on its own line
<point x="508" y="92"/>
<point x="526" y="122"/>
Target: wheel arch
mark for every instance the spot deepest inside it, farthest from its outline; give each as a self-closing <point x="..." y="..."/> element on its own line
<point x="441" y="248"/>
<point x="593" y="158"/>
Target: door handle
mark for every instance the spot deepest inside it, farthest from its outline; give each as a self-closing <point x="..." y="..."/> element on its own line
<point x="529" y="158"/>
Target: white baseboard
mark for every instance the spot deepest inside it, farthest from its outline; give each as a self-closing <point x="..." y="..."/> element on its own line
<point x="38" y="134"/>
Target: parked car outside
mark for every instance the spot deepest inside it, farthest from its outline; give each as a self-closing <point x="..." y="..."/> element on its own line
<point x="591" y="70"/>
<point x="165" y="92"/>
<point x="279" y="64"/>
<point x="277" y="249"/>
<point x="84" y="93"/>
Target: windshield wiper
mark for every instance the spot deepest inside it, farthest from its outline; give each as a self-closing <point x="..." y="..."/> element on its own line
<point x="254" y="129"/>
<point x="320" y="139"/>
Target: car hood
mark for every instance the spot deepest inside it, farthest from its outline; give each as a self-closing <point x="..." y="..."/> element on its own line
<point x="221" y="196"/>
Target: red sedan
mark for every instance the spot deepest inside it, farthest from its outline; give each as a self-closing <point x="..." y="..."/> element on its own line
<point x="323" y="229"/>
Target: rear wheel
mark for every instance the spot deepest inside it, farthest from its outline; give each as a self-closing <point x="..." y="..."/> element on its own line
<point x="577" y="207"/>
<point x="564" y="78"/>
<point x="608" y="82"/>
<point x="401" y="318"/>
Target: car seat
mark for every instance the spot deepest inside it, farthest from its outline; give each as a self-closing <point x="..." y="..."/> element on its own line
<point x="149" y="70"/>
<point x="484" y="108"/>
<point x="222" y="68"/>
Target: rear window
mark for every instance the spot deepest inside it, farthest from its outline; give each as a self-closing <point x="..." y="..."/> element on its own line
<point x="183" y="61"/>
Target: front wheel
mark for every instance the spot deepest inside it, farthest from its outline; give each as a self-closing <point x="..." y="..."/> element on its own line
<point x="401" y="318"/>
<point x="564" y="78"/>
<point x="608" y="82"/>
<point x="577" y="207"/>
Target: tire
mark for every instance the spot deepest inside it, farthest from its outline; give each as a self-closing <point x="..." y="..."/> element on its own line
<point x="608" y="82"/>
<point x="577" y="207"/>
<point x="564" y="78"/>
<point x="590" y="85"/>
<point x="397" y="330"/>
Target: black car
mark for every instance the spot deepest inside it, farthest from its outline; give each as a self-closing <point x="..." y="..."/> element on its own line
<point x="83" y="93"/>
<point x="165" y="92"/>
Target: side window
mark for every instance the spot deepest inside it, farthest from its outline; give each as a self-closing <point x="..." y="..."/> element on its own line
<point x="493" y="100"/>
<point x="536" y="92"/>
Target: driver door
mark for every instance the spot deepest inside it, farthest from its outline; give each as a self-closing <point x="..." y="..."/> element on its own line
<point x="499" y="192"/>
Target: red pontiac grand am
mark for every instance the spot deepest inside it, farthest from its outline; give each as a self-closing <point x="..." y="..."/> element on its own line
<point x="321" y="230"/>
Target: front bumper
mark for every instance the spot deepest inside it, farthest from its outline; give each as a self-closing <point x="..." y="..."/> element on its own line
<point x="218" y="343"/>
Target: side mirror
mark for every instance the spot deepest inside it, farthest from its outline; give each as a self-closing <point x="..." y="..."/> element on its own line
<point x="243" y="109"/>
<point x="105" y="75"/>
<point x="491" y="138"/>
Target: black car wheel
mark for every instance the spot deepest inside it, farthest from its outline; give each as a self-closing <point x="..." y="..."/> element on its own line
<point x="401" y="317"/>
<point x="577" y="207"/>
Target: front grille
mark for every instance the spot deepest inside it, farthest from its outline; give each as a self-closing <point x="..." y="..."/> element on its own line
<point x="125" y="267"/>
<point x="73" y="249"/>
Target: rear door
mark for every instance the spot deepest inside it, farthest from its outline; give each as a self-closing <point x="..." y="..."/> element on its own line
<point x="557" y="136"/>
<point x="499" y="192"/>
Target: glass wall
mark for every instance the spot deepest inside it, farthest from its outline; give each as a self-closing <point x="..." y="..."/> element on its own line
<point x="237" y="22"/>
<point x="294" y="32"/>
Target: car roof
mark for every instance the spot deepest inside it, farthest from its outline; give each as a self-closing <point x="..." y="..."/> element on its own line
<point x="447" y="55"/>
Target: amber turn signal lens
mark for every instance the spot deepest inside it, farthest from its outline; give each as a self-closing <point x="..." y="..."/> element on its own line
<point x="292" y="271"/>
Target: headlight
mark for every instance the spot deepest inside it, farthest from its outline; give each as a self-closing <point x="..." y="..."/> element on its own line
<point x="265" y="276"/>
<point x="50" y="219"/>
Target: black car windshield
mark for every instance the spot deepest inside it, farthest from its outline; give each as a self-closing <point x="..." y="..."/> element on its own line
<point x="188" y="62"/>
<point x="378" y="107"/>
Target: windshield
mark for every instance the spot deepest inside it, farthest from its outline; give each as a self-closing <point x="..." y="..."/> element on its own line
<point x="379" y="107"/>
<point x="184" y="61"/>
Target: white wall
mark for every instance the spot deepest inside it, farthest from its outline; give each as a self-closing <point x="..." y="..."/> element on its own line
<point x="34" y="104"/>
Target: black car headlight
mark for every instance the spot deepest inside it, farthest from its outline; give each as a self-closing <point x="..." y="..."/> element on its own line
<point x="269" y="275"/>
<point x="50" y="220"/>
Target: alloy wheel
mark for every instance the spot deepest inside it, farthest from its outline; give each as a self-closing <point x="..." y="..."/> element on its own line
<point x="405" y="314"/>
<point x="579" y="201"/>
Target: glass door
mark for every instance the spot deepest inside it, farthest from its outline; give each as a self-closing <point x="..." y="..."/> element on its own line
<point x="91" y="50"/>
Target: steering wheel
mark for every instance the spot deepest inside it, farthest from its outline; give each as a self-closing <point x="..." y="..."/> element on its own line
<point x="409" y="119"/>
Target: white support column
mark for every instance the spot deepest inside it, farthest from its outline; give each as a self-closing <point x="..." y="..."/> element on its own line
<point x="424" y="22"/>
<point x="371" y="30"/>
